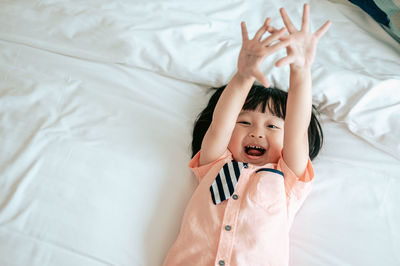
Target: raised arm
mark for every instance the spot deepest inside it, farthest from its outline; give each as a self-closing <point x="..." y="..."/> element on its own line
<point x="300" y="56"/>
<point x="230" y="103"/>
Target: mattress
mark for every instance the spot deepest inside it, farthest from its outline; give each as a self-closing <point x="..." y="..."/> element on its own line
<point x="97" y="105"/>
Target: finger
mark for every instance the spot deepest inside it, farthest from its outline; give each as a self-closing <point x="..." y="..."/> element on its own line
<point x="274" y="36"/>
<point x="288" y="23"/>
<point x="261" y="78"/>
<point x="306" y="18"/>
<point x="262" y="30"/>
<point x="278" y="46"/>
<point x="271" y="29"/>
<point x="245" y="35"/>
<point x="284" y="61"/>
<point x="323" y="29"/>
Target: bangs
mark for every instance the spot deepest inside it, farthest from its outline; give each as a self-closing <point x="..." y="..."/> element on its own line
<point x="261" y="98"/>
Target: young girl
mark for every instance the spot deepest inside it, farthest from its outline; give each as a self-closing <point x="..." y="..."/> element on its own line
<point x="254" y="165"/>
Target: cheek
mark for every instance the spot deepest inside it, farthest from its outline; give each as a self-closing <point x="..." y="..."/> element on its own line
<point x="275" y="149"/>
<point x="236" y="139"/>
<point x="277" y="141"/>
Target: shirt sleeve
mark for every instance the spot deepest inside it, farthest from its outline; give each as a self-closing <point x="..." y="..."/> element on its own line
<point x="201" y="170"/>
<point x="291" y="179"/>
<point x="297" y="187"/>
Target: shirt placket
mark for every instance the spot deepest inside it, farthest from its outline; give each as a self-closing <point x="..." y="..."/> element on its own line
<point x="229" y="222"/>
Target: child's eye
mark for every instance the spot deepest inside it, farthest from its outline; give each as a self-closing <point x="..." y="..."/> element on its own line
<point x="272" y="126"/>
<point x="244" y="122"/>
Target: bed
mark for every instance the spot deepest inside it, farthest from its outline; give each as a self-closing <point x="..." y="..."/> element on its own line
<point x="97" y="104"/>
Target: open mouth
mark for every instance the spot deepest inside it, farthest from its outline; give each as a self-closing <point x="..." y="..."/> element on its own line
<point x="254" y="150"/>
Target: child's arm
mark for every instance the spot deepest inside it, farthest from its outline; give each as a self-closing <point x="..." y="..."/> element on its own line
<point x="252" y="54"/>
<point x="300" y="56"/>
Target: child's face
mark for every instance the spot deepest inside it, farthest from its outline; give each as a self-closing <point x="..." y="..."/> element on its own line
<point x="257" y="138"/>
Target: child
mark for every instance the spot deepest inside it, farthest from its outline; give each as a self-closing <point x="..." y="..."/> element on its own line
<point x="254" y="164"/>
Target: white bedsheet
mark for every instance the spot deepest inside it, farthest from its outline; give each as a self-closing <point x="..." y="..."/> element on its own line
<point x="97" y="103"/>
<point x="351" y="217"/>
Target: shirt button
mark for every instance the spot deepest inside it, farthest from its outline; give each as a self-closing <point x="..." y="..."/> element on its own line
<point x="235" y="197"/>
<point x="228" y="228"/>
<point x="221" y="262"/>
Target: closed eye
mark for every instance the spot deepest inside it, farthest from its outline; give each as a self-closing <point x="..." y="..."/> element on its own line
<point x="244" y="122"/>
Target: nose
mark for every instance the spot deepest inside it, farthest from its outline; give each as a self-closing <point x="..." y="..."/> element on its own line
<point x="256" y="131"/>
<point x="255" y="135"/>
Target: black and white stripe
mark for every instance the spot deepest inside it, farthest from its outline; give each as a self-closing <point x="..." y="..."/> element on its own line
<point x="225" y="183"/>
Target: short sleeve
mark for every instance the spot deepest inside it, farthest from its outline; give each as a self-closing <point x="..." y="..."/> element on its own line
<point x="291" y="179"/>
<point x="201" y="171"/>
<point x="297" y="187"/>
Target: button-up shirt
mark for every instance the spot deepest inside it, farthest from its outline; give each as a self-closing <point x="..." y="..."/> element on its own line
<point x="250" y="228"/>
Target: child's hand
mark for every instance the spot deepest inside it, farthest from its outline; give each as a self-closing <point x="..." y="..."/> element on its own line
<point x="253" y="52"/>
<point x="303" y="44"/>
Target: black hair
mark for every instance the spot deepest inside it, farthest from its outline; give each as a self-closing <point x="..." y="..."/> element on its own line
<point x="272" y="98"/>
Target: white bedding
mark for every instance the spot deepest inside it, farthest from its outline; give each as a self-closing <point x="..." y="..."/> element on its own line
<point x="97" y="103"/>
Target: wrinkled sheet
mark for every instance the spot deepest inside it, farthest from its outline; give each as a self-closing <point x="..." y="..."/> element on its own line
<point x="356" y="73"/>
<point x="97" y="103"/>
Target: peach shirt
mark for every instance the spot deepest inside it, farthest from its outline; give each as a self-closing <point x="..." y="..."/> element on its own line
<point x="258" y="220"/>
